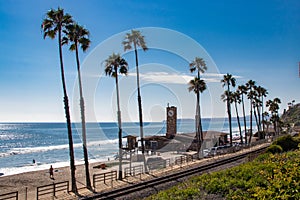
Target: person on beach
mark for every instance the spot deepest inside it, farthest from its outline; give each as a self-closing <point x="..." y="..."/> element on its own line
<point x="51" y="172"/>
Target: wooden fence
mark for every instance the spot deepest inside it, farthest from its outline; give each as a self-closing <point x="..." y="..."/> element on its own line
<point x="9" y="196"/>
<point x="134" y="171"/>
<point x="52" y="189"/>
<point x="183" y="159"/>
<point x="104" y="177"/>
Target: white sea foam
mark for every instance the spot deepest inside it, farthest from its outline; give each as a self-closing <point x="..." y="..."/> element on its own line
<point x="28" y="150"/>
<point x="37" y="167"/>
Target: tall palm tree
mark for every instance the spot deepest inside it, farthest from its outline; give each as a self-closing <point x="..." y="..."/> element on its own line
<point x="199" y="65"/>
<point x="274" y="108"/>
<point x="243" y="91"/>
<point x="236" y="99"/>
<point x="256" y="104"/>
<point x="198" y="86"/>
<point x="134" y="40"/>
<point x="228" y="80"/>
<point x="262" y="92"/>
<point x="265" y="115"/>
<point x="115" y="64"/>
<point x="53" y="24"/>
<point x="79" y="36"/>
<point x="250" y="86"/>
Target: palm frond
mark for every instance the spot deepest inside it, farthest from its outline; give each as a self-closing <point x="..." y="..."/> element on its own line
<point x="199" y="64"/>
<point x="113" y="62"/>
<point x="135" y="38"/>
<point x="77" y="35"/>
<point x="55" y="21"/>
<point x="197" y="85"/>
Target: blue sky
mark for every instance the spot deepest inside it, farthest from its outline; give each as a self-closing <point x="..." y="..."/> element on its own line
<point x="256" y="40"/>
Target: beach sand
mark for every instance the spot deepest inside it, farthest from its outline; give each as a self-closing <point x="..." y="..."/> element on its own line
<point x="26" y="183"/>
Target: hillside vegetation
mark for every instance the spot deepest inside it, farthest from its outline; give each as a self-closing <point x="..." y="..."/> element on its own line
<point x="292" y="115"/>
<point x="270" y="176"/>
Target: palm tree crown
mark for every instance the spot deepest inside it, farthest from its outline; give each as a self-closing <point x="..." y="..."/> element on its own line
<point x="78" y="35"/>
<point x="197" y="85"/>
<point x="227" y="96"/>
<point x="135" y="38"/>
<point x="250" y="84"/>
<point x="236" y="97"/>
<point x="228" y="80"/>
<point x="198" y="64"/>
<point x="54" y="22"/>
<point x="113" y="62"/>
<point x="242" y="89"/>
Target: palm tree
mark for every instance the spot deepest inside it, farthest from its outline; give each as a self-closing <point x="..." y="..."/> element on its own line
<point x="262" y="92"/>
<point x="236" y="99"/>
<point x="228" y="80"/>
<point x="54" y="23"/>
<point x="256" y="103"/>
<point x="78" y="35"/>
<point x="265" y="121"/>
<point x="199" y="65"/>
<point x="112" y="64"/>
<point x="250" y="85"/>
<point x="274" y="108"/>
<point x="198" y="86"/>
<point x="136" y="39"/>
<point x="243" y="90"/>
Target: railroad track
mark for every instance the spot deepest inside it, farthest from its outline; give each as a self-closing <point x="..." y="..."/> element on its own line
<point x="127" y="190"/>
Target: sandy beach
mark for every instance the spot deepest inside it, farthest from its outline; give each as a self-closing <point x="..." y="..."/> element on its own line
<point x="26" y="183"/>
<point x="31" y="180"/>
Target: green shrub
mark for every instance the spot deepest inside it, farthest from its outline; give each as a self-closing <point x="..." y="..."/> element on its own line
<point x="287" y="143"/>
<point x="274" y="149"/>
<point x="271" y="176"/>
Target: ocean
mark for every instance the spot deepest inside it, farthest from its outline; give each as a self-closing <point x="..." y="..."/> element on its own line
<point x="34" y="146"/>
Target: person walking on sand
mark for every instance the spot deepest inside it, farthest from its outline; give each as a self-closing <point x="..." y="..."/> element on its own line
<point x="51" y="172"/>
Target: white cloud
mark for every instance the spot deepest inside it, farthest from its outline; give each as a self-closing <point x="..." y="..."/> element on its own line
<point x="177" y="78"/>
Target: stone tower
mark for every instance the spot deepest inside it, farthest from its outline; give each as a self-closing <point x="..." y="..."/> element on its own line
<point x="171" y="122"/>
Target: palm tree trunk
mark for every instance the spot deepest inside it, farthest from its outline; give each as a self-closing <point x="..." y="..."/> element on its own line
<point x="276" y="127"/>
<point x="245" y="125"/>
<point x="250" y="137"/>
<point x="68" y="118"/>
<point x="198" y="130"/>
<point x="229" y="115"/>
<point x="239" y="124"/>
<point x="140" y="107"/>
<point x="83" y="124"/>
<point x="255" y="116"/>
<point x="229" y="120"/>
<point x="200" y="126"/>
<point x="120" y="127"/>
<point x="259" y="122"/>
<point x="262" y="113"/>
<point x="259" y="118"/>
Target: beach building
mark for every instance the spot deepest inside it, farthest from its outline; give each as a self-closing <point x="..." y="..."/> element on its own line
<point x="182" y="142"/>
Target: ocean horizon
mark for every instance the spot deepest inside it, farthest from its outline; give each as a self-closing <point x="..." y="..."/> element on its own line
<point x="33" y="146"/>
